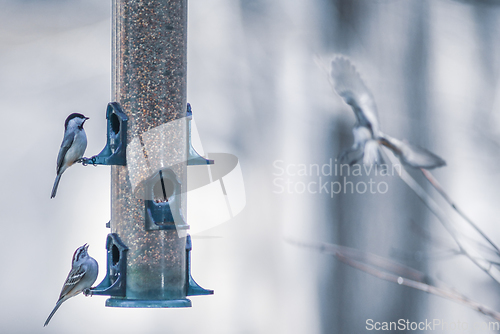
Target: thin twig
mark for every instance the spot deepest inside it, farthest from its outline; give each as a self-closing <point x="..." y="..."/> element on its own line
<point x="485" y="265"/>
<point x="394" y="272"/>
<point x="428" y="175"/>
<point x="440" y="242"/>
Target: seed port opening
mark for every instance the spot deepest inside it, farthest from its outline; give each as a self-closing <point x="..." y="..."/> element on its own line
<point x="115" y="255"/>
<point x="115" y="123"/>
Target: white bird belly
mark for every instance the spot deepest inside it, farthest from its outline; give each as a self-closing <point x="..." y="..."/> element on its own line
<point x="77" y="149"/>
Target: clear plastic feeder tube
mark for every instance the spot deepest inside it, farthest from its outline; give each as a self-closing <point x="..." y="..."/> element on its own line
<point x="149" y="81"/>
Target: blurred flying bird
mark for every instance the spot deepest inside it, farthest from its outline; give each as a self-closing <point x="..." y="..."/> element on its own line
<point x="367" y="135"/>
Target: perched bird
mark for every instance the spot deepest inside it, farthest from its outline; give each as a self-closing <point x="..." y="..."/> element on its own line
<point x="367" y="135"/>
<point x="73" y="146"/>
<point x="84" y="270"/>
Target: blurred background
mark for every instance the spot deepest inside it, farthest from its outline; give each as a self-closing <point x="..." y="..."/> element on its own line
<point x="257" y="93"/>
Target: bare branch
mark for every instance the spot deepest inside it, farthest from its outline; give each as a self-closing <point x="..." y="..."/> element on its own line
<point x="428" y="175"/>
<point x="394" y="272"/>
<point x="462" y="241"/>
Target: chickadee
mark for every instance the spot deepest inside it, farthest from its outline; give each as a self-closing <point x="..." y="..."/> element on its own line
<point x="83" y="274"/>
<point x="73" y="146"/>
<point x="367" y="135"/>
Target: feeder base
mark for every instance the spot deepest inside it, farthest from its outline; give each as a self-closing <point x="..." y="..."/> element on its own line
<point x="139" y="303"/>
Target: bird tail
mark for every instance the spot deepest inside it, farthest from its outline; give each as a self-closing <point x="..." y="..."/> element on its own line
<point x="56" y="184"/>
<point x="371" y="154"/>
<point x="59" y="303"/>
<point x="411" y="155"/>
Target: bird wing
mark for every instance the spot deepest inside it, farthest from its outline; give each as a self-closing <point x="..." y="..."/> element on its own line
<point x="74" y="276"/>
<point x="66" y="144"/>
<point x="348" y="84"/>
<point x="412" y="155"/>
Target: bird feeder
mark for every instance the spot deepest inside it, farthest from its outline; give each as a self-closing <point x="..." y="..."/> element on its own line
<point x="149" y="150"/>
